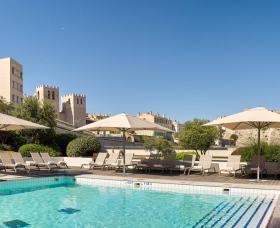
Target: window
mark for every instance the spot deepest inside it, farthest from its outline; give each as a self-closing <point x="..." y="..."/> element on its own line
<point x="13" y="98"/>
<point x="20" y="75"/>
<point x="81" y="101"/>
<point x="69" y="100"/>
<point x="13" y="70"/>
<point x="38" y="95"/>
<point x="53" y="95"/>
<point x="21" y="90"/>
<point x="77" y="100"/>
<point x="17" y="99"/>
<point x="49" y="94"/>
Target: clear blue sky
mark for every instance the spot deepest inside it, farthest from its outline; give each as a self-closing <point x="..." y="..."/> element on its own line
<point x="184" y="59"/>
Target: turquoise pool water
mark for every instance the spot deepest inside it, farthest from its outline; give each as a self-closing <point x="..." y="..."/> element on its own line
<point x="61" y="203"/>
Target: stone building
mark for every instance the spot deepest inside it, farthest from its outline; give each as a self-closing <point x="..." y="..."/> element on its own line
<point x="73" y="106"/>
<point x="50" y="94"/>
<point x="177" y="127"/>
<point x="93" y="117"/>
<point x="73" y="109"/>
<point x="246" y="137"/>
<point x="157" y="119"/>
<point x="11" y="77"/>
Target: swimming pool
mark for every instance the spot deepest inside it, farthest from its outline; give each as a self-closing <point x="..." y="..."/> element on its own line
<point x="65" y="202"/>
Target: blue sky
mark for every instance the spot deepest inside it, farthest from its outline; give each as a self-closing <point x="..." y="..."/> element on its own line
<point x="184" y="59"/>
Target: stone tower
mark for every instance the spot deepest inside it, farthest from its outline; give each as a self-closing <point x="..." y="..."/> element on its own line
<point x="49" y="94"/>
<point x="73" y="109"/>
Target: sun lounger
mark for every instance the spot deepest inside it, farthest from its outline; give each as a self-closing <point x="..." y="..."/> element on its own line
<point x="188" y="162"/>
<point x="99" y="161"/>
<point x="18" y="159"/>
<point x="112" y="160"/>
<point x="272" y="168"/>
<point x="203" y="165"/>
<point x="233" y="165"/>
<point x="144" y="165"/>
<point x="128" y="161"/>
<point x="37" y="160"/>
<point x="253" y="166"/>
<point x="49" y="160"/>
<point x="9" y="164"/>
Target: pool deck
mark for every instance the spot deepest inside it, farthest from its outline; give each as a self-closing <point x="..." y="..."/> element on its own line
<point x="194" y="179"/>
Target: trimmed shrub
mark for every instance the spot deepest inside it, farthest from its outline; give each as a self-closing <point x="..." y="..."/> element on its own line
<point x="62" y="140"/>
<point x="83" y="146"/>
<point x="27" y="148"/>
<point x="181" y="155"/>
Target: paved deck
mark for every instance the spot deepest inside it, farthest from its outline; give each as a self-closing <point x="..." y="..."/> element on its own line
<point x="209" y="179"/>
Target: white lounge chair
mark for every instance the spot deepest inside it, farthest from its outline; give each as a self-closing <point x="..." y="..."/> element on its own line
<point x="188" y="161"/>
<point x="233" y="165"/>
<point x="9" y="164"/>
<point x="49" y="160"/>
<point x="37" y="160"/>
<point x="204" y="164"/>
<point x="112" y="160"/>
<point x="18" y="159"/>
<point x="99" y="161"/>
<point x="128" y="161"/>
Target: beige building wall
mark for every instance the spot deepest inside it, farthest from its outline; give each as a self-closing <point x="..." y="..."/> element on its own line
<point x="49" y="94"/>
<point x="73" y="109"/>
<point x="157" y="119"/>
<point x="248" y="137"/>
<point x="11" y="76"/>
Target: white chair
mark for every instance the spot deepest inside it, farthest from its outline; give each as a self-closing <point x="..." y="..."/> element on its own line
<point x="233" y="165"/>
<point x="203" y="165"/>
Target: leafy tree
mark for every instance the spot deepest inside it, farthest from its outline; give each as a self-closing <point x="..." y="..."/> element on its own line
<point x="221" y="132"/>
<point x="197" y="137"/>
<point x="234" y="138"/>
<point x="161" y="145"/>
<point x="62" y="140"/>
<point x="5" y="107"/>
<point x="42" y="113"/>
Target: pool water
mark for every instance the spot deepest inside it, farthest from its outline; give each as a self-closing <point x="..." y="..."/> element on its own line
<point x="66" y="204"/>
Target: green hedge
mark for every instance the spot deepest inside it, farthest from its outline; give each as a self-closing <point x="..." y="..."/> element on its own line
<point x="181" y="155"/>
<point x="83" y="146"/>
<point x="27" y="148"/>
<point x="270" y="151"/>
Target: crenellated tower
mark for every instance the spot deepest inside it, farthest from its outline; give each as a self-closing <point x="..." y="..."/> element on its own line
<point x="49" y="94"/>
<point x="73" y="109"/>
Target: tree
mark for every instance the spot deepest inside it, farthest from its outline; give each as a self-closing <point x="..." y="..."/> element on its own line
<point x="234" y="138"/>
<point x="42" y="113"/>
<point x="5" y="107"/>
<point x="197" y="137"/>
<point x="221" y="132"/>
<point x="161" y="145"/>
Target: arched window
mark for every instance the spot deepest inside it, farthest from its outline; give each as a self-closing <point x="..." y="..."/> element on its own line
<point x="81" y="101"/>
<point x="53" y="95"/>
<point x="49" y="94"/>
<point x="77" y="100"/>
